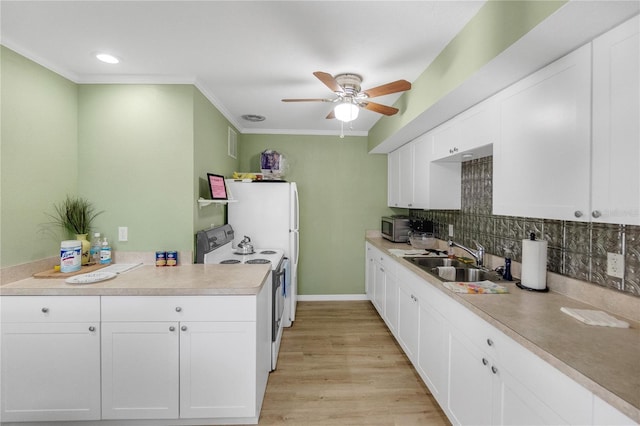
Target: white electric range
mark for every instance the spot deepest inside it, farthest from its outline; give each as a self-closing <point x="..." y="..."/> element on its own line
<point x="215" y="247"/>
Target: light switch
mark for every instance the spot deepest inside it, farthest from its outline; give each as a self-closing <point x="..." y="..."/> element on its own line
<point x="123" y="233"/>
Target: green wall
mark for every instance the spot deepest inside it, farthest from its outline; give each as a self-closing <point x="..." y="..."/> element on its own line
<point x="342" y="193"/>
<point x="136" y="162"/>
<point x="39" y="143"/>
<point x="495" y="27"/>
<point x="210" y="155"/>
<point x="138" y="152"/>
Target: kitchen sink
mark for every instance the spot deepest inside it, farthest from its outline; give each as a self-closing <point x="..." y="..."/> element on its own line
<point x="428" y="263"/>
<point x="464" y="271"/>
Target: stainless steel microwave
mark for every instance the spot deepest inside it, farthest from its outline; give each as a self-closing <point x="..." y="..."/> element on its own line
<point x="395" y="228"/>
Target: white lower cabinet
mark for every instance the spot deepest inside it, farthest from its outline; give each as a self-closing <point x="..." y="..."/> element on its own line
<point x="391" y="302"/>
<point x="433" y="349"/>
<point x="140" y="370"/>
<point x="184" y="357"/>
<point x="477" y="374"/>
<point x="482" y="392"/>
<point x="216" y="374"/>
<point x="50" y="358"/>
<point x="408" y="319"/>
<point x="170" y="370"/>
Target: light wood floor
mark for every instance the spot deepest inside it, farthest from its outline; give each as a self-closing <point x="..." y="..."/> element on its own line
<point x="339" y="365"/>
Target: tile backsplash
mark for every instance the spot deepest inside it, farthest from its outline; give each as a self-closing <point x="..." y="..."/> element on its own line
<point x="575" y="249"/>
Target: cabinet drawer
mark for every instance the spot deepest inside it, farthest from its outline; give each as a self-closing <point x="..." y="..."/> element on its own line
<point x="50" y="308"/>
<point x="182" y="308"/>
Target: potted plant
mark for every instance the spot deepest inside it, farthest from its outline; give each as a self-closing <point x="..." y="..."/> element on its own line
<point x="76" y="214"/>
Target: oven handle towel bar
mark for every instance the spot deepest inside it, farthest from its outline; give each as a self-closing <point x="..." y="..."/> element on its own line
<point x="287" y="276"/>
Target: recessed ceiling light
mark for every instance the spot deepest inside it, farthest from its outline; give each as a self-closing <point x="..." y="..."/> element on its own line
<point x="107" y="58"/>
<point x="254" y="117"/>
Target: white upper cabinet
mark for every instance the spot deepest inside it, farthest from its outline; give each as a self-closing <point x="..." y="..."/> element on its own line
<point x="473" y="132"/>
<point x="542" y="158"/>
<point x="616" y="125"/>
<point x="393" y="178"/>
<point x="569" y="147"/>
<point x="418" y="183"/>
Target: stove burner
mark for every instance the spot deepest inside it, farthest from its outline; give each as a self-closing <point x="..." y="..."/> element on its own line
<point x="258" y="261"/>
<point x="267" y="252"/>
<point x="229" y="261"/>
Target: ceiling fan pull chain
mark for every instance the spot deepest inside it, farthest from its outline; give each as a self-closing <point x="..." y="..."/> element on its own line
<point x="341" y="129"/>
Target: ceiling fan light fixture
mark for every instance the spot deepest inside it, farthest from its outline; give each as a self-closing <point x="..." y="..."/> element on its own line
<point x="346" y="111"/>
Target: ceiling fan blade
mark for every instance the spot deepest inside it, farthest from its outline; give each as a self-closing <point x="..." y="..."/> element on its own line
<point x="331" y="115"/>
<point x="386" y="89"/>
<point x="379" y="108"/>
<point x="308" y="100"/>
<point x="329" y="81"/>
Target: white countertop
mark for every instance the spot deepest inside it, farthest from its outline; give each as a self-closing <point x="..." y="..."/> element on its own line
<point x="180" y="280"/>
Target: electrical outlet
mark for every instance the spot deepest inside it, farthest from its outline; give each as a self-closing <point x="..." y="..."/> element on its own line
<point x="123" y="233"/>
<point x="450" y="230"/>
<point x="615" y="265"/>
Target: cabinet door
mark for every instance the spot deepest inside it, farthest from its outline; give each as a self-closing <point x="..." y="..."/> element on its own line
<point x="393" y="178"/>
<point x="391" y="303"/>
<point x="369" y="271"/>
<point x="432" y="355"/>
<point x="406" y="175"/>
<point x="217" y="369"/>
<point x="422" y="181"/>
<point x="140" y="370"/>
<point x="470" y="382"/>
<point x="379" y="288"/>
<point x="446" y="140"/>
<point x="616" y="125"/>
<point x="50" y="371"/>
<point x="408" y="320"/>
<point x="542" y="158"/>
<point x="514" y="404"/>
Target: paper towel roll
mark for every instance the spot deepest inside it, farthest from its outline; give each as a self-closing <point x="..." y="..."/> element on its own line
<point x="534" y="264"/>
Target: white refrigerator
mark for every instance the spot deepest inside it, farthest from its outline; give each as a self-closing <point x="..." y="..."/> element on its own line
<point x="267" y="212"/>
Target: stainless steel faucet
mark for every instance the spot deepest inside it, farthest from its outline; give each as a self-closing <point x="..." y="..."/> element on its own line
<point x="478" y="255"/>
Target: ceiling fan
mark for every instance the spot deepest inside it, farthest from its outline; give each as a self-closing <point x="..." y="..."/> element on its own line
<point x="350" y="98"/>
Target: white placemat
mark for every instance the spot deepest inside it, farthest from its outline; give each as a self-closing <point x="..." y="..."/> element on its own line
<point x="592" y="317"/>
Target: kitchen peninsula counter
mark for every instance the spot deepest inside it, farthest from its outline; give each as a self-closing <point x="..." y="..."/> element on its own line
<point x="182" y="280"/>
<point x="604" y="360"/>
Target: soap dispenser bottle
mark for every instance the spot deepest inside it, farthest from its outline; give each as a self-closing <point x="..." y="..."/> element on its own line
<point x="507" y="266"/>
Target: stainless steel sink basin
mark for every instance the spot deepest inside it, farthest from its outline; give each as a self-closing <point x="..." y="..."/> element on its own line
<point x="474" y="274"/>
<point x="464" y="271"/>
<point x="434" y="262"/>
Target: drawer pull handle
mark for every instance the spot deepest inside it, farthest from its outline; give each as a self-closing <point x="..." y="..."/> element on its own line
<point x="178" y="309"/>
<point x="494" y="370"/>
<point x="489" y="342"/>
<point x="92" y="329"/>
<point x="484" y="361"/>
<point x="172" y="328"/>
<point x="45" y="310"/>
<point x="183" y="328"/>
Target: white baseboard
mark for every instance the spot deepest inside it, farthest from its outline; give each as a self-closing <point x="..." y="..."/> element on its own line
<point x="330" y="297"/>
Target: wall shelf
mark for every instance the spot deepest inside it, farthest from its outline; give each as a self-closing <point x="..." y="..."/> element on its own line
<point x="202" y="202"/>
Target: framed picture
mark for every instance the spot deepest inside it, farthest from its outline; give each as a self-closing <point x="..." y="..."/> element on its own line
<point x="217" y="187"/>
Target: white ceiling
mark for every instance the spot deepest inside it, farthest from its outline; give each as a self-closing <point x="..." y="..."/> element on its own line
<point x="245" y="56"/>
